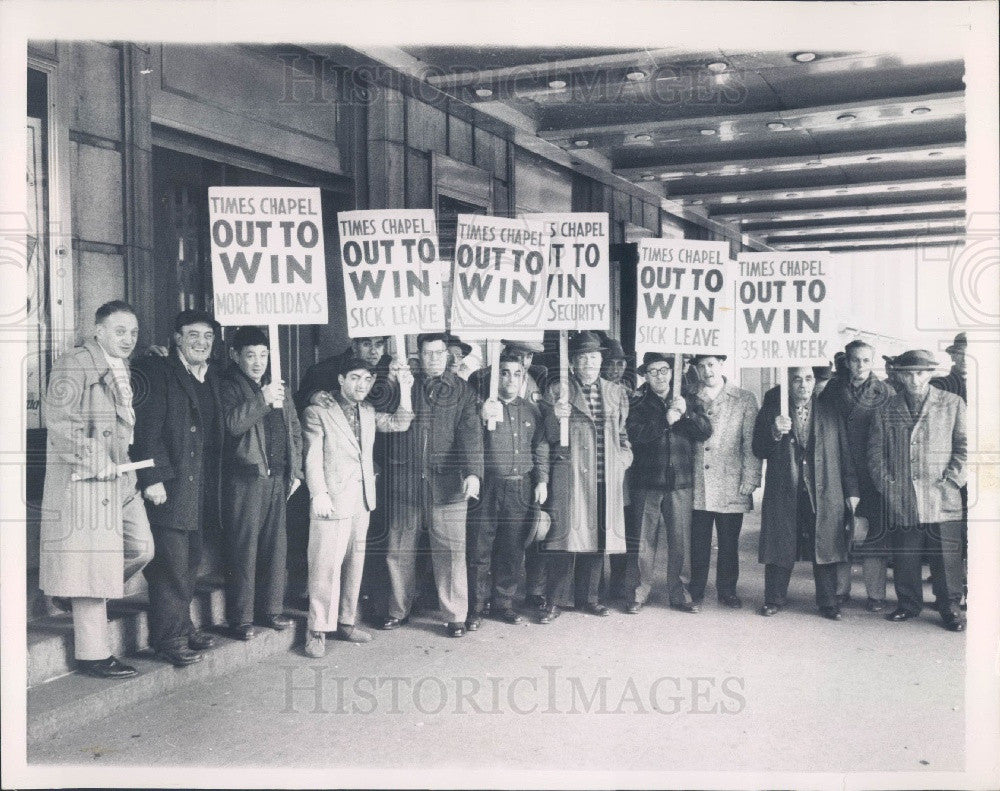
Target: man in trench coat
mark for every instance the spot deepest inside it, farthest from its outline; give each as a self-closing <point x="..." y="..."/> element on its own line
<point x="94" y="534"/>
<point x="586" y="481"/>
<point x="916" y="456"/>
<point x="179" y="425"/>
<point x="809" y="479"/>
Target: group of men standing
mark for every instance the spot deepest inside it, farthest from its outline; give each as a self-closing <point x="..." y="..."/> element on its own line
<point x="142" y="462"/>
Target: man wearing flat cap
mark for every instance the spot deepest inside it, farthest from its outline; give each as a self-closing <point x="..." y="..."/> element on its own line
<point x="535" y="376"/>
<point x="663" y="431"/>
<point x="917" y="452"/>
<point x="587" y="481"/>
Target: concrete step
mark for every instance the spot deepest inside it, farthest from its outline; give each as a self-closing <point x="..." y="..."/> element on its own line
<point x="50" y="638"/>
<point x="72" y="700"/>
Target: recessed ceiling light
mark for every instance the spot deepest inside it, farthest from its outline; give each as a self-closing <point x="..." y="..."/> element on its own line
<point x="642" y="137"/>
<point x="647" y="176"/>
<point x="484" y="93"/>
<point x="665" y="176"/>
<point x="557" y="84"/>
<point x="756" y="170"/>
<point x="920" y="110"/>
<point x="791" y="195"/>
<point x="743" y="200"/>
<point x="697" y="202"/>
<point x="804" y="57"/>
<point x="635" y="75"/>
<point x="776" y="126"/>
<point x="581" y="143"/>
<point x="717" y="66"/>
<point x="701" y="174"/>
<point x="847" y="117"/>
<point x="708" y="132"/>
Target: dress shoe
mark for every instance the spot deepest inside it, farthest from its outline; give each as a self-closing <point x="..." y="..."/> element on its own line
<point x="596" y="609"/>
<point x="633" y="607"/>
<point x="106" y="668"/>
<point x="536" y="601"/>
<point x="954" y="624"/>
<point x="179" y="657"/>
<point x="549" y="614"/>
<point x="768" y="610"/>
<point x="900" y="615"/>
<point x="352" y="634"/>
<point x="278" y="622"/>
<point x="875" y="605"/>
<point x="245" y="631"/>
<point x="473" y="623"/>
<point x="393" y="623"/>
<point x="315" y="645"/>
<point x="830" y="613"/>
<point x="509" y="615"/>
<point x="199" y="640"/>
<point x="486" y="610"/>
<point x="686" y="606"/>
<point x="731" y="600"/>
<point x="456" y="629"/>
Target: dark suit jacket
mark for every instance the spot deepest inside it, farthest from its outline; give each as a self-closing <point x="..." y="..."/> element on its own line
<point x="169" y="429"/>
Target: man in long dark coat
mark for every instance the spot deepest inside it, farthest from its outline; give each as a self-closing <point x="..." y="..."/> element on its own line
<point x="810" y="479"/>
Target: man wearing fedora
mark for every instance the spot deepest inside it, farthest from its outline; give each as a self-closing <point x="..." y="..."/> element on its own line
<point x="516" y="470"/>
<point x="615" y="364"/>
<point x="663" y="431"/>
<point x="587" y="481"/>
<point x="916" y="456"/>
<point x="726" y="473"/>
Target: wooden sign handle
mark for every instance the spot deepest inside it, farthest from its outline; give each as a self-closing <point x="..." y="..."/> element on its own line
<point x="564" y="391"/>
<point x="399" y="352"/>
<point x="274" y="352"/>
<point x="678" y="374"/>
<point x="493" y="350"/>
<point x="783" y="384"/>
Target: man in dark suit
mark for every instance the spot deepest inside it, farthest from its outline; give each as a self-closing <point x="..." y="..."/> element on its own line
<point x="178" y="424"/>
<point x="435" y="468"/>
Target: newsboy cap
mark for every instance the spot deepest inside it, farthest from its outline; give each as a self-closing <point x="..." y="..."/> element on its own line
<point x="915" y="360"/>
<point x="528" y="347"/>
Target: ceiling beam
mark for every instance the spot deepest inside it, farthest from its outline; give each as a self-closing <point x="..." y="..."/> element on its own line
<point x="857" y="210"/>
<point x="779" y="235"/>
<point x="871" y="244"/>
<point x="831" y="191"/>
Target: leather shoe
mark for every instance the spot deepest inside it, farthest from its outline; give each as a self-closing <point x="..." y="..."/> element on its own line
<point x="536" y="601"/>
<point x="353" y="634"/>
<point x="954" y="624"/>
<point x="199" y="640"/>
<point x="732" y="601"/>
<point x="106" y="668"/>
<point x="768" y="610"/>
<point x="686" y="606"/>
<point x="179" y="657"/>
<point x="633" y="607"/>
<point x="245" y="631"/>
<point x="596" y="609"/>
<point x="393" y="623"/>
<point x="830" y="613"/>
<point x="549" y="614"/>
<point x="456" y="629"/>
<point x="486" y="609"/>
<point x="899" y="614"/>
<point x="875" y="605"/>
<point x="278" y="622"/>
<point x="510" y="615"/>
<point x="473" y="623"/>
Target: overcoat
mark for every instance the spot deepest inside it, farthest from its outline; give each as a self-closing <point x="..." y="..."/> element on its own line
<point x="169" y="429"/>
<point x="82" y="547"/>
<point x="834" y="478"/>
<point x="573" y="480"/>
<point x="919" y="465"/>
<point x="726" y="461"/>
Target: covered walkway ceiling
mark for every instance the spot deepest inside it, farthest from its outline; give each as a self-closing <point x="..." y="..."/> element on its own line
<point x="838" y="150"/>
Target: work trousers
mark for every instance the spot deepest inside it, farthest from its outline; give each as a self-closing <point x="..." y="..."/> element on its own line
<point x="256" y="546"/>
<point x="336" y="563"/>
<point x="446" y="527"/>
<point x="873" y="571"/>
<point x="172" y="574"/>
<point x="727" y="569"/>
<point x="776" y="579"/>
<point x="574" y="578"/>
<point x="91" y="638"/>
<point x="941" y="542"/>
<point x="661" y="520"/>
<point x="534" y="569"/>
<point x="496" y="541"/>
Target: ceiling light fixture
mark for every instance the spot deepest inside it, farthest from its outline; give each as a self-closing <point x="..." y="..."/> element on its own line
<point x="804" y="57"/>
<point x="635" y="75"/>
<point x="484" y="93"/>
<point x="717" y="66"/>
<point x="792" y="195"/>
<point x="920" y="111"/>
<point x="847" y="117"/>
<point x="776" y="126"/>
<point x="697" y="202"/>
<point x="642" y="138"/>
<point x="708" y="132"/>
<point x="557" y="84"/>
<point x="581" y="143"/>
<point x="701" y="174"/>
<point x="647" y="176"/>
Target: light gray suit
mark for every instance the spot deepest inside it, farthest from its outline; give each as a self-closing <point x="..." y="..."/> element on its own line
<point x="338" y="465"/>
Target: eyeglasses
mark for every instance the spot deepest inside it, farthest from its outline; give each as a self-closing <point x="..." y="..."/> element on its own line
<point x="663" y="371"/>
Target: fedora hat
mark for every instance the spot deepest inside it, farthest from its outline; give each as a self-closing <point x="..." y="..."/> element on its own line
<point x="539" y="527"/>
<point x="699" y="357"/>
<point x="530" y="347"/>
<point x="454" y="340"/>
<point x="614" y="350"/>
<point x="960" y="344"/>
<point x="823" y="373"/>
<point x="584" y="342"/>
<point x="654" y="357"/>
<point x="915" y="360"/>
